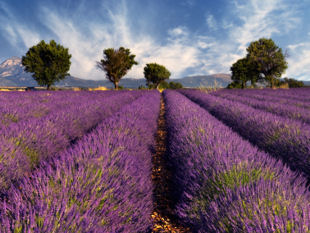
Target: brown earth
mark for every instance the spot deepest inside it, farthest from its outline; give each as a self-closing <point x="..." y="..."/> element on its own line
<point x="163" y="214"/>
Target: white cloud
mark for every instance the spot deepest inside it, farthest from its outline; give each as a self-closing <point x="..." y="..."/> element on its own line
<point x="259" y="18"/>
<point x="226" y="24"/>
<point x="178" y="32"/>
<point x="299" y="61"/>
<point x="293" y="47"/>
<point x="177" y="54"/>
<point x="10" y="34"/>
<point x="181" y="51"/>
<point x="211" y="22"/>
<point x="188" y="3"/>
<point x="16" y="32"/>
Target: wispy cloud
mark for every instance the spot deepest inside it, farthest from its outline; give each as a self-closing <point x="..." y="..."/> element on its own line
<point x="188" y="3"/>
<point x="182" y="51"/>
<point x="299" y="61"/>
<point x="258" y="18"/>
<point x="211" y="22"/>
<point x="17" y="33"/>
<point x="178" y="54"/>
<point x="262" y="18"/>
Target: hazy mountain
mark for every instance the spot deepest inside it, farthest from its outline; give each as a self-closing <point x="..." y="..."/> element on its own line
<point x="12" y="74"/>
<point x="219" y="80"/>
<point x="307" y="83"/>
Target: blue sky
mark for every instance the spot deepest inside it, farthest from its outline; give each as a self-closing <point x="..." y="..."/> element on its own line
<point x="189" y="37"/>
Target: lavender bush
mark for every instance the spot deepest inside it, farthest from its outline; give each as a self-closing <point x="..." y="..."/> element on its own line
<point x="16" y="107"/>
<point x="224" y="184"/>
<point x="298" y="94"/>
<point x="285" y="139"/>
<point x="102" y="184"/>
<point x="285" y="109"/>
<point x="263" y="95"/>
<point x="24" y="144"/>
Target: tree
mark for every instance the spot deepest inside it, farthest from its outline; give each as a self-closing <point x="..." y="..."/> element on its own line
<point x="175" y="85"/>
<point x="155" y="74"/>
<point x="268" y="58"/>
<point x="168" y="85"/>
<point x="116" y="64"/>
<point x="292" y="83"/>
<point x="233" y="84"/>
<point x="244" y="70"/>
<point x="49" y="63"/>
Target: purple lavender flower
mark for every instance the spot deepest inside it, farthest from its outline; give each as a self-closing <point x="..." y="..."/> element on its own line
<point x="102" y="184"/>
<point x="224" y="184"/>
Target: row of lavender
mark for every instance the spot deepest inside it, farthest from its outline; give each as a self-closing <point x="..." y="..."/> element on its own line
<point x="281" y="137"/>
<point x="283" y="107"/>
<point x="294" y="99"/>
<point x="101" y="184"/>
<point x="224" y="184"/>
<point x="27" y="142"/>
<point x="16" y="107"/>
<point x="294" y="93"/>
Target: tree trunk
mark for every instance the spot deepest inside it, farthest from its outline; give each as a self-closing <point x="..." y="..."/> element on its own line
<point x="242" y="84"/>
<point x="116" y="85"/>
<point x="48" y="87"/>
<point x="272" y="82"/>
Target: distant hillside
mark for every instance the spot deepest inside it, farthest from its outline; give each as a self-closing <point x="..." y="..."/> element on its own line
<point x="307" y="83"/>
<point x="12" y="74"/>
<point x="220" y="80"/>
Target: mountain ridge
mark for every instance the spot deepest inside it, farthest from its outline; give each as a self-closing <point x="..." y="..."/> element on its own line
<point x="12" y="74"/>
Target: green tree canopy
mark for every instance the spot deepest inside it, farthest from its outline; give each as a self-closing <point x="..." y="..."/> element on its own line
<point x="116" y="64"/>
<point x="292" y="83"/>
<point x="49" y="63"/>
<point x="175" y="85"/>
<point x="244" y="70"/>
<point x="167" y="85"/>
<point x="268" y="58"/>
<point x="155" y="74"/>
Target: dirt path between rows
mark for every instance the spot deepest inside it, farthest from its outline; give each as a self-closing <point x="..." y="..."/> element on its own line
<point x="161" y="176"/>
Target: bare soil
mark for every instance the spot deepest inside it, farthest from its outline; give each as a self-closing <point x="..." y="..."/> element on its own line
<point x="163" y="216"/>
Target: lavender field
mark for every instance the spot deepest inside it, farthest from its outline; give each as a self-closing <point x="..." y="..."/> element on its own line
<point x="144" y="161"/>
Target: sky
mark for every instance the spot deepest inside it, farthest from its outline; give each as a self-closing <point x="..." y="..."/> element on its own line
<point x="188" y="37"/>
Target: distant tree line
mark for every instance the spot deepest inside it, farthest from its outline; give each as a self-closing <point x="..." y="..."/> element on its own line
<point x="292" y="83"/>
<point x="50" y="63"/>
<point x="264" y="62"/>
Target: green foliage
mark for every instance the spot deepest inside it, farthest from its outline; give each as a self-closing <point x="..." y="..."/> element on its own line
<point x="116" y="64"/>
<point x="155" y="74"/>
<point x="244" y="70"/>
<point x="141" y="87"/>
<point x="175" y="85"/>
<point x="164" y="85"/>
<point x="237" y="176"/>
<point x="234" y="84"/>
<point x="49" y="63"/>
<point x="292" y="83"/>
<point x="268" y="58"/>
